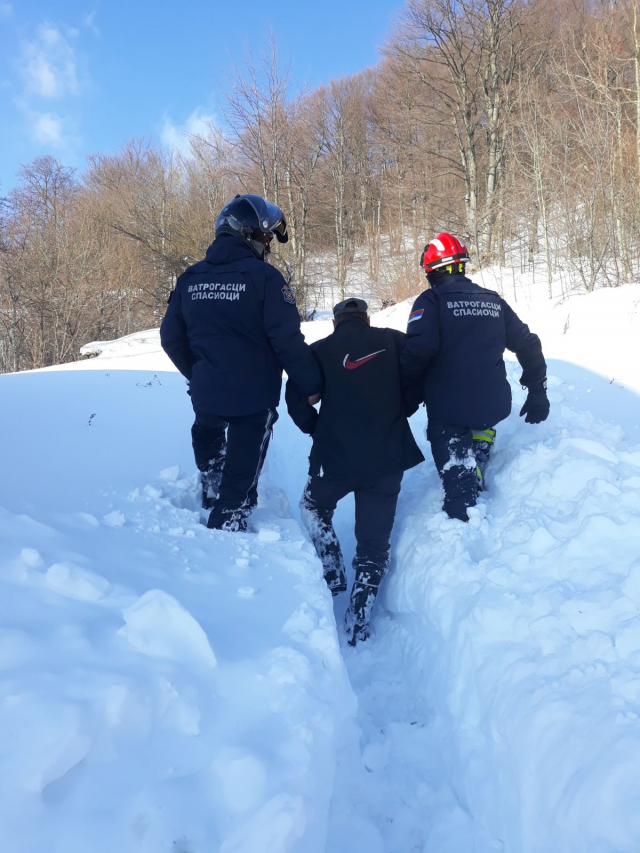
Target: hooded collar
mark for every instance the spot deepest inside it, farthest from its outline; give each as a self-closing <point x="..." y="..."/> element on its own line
<point x="227" y="248"/>
<point x="455" y="280"/>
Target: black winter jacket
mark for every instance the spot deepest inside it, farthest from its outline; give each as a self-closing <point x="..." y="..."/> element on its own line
<point x="231" y="327"/>
<point x="456" y="336"/>
<point x="361" y="432"/>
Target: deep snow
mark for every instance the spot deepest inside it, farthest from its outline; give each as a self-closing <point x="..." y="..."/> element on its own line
<point x="165" y="687"/>
<point x="162" y="686"/>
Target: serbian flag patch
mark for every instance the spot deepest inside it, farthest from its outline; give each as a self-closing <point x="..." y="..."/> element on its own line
<point x="416" y="315"/>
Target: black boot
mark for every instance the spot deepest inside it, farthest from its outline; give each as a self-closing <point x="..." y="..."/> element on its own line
<point x="325" y="541"/>
<point x="356" y="620"/>
<point x="210" y="481"/>
<point x="229" y="520"/>
<point x="333" y="567"/>
<point x="336" y="584"/>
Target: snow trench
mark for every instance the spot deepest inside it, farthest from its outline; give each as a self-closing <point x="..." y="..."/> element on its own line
<point x="499" y="699"/>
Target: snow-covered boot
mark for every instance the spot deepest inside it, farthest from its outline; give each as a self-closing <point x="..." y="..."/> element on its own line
<point x="325" y="541"/>
<point x="228" y="519"/>
<point x="336" y="579"/>
<point x="328" y="549"/>
<point x="210" y="481"/>
<point x="356" y="620"/>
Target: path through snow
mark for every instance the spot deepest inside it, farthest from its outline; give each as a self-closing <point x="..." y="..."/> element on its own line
<point x="499" y="700"/>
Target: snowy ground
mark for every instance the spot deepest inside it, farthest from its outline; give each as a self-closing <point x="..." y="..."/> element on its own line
<point x="168" y="688"/>
<point x="162" y="686"/>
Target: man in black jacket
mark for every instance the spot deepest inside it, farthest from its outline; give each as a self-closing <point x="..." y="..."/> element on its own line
<point x="456" y="337"/>
<point x="362" y="443"/>
<point x="230" y="328"/>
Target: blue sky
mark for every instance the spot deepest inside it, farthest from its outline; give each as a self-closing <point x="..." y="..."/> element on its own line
<point x="78" y="77"/>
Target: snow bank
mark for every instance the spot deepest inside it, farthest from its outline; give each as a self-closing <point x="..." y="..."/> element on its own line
<point x="524" y="629"/>
<point x="598" y="330"/>
<point x="143" y="348"/>
<point x="162" y="686"/>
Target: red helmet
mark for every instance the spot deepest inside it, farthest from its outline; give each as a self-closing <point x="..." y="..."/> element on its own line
<point x="442" y="251"/>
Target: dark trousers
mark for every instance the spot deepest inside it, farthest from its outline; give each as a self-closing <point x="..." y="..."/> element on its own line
<point x="375" y="513"/>
<point x="461" y="455"/>
<point x="230" y="453"/>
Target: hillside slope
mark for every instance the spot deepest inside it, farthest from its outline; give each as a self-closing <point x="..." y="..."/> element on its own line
<point x="166" y="687"/>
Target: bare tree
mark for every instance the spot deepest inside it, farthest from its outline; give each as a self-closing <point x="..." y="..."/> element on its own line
<point x="514" y="123"/>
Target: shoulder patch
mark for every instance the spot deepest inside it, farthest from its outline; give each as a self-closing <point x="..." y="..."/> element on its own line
<point x="415" y="315"/>
<point x="288" y="295"/>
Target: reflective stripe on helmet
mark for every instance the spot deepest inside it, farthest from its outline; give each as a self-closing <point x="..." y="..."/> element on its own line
<point x="444" y="250"/>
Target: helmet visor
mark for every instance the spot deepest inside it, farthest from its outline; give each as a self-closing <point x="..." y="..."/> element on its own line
<point x="270" y="217"/>
<point x="281" y="231"/>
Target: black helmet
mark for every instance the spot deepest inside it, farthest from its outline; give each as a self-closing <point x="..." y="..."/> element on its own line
<point x="254" y="219"/>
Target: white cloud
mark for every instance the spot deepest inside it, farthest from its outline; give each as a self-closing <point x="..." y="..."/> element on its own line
<point x="47" y="129"/>
<point x="48" y="65"/>
<point x="176" y="137"/>
<point x="5" y="10"/>
<point x="90" y="22"/>
<point x="50" y="71"/>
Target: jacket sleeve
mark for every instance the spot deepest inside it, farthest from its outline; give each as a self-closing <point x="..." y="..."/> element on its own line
<point x="423" y="339"/>
<point x="282" y="325"/>
<point x="413" y="393"/>
<point x="526" y="346"/>
<point x="174" y="337"/>
<point x="304" y="416"/>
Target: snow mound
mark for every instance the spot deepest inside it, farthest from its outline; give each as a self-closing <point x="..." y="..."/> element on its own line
<point x="76" y="582"/>
<point x="162" y="686"/>
<point x="160" y="626"/>
<point x="526" y="635"/>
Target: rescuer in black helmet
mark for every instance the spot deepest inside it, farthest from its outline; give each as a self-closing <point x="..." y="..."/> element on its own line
<point x="254" y="219"/>
<point x="231" y="327"/>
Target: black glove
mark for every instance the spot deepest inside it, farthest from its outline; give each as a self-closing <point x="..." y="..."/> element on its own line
<point x="536" y="406"/>
<point x="413" y="397"/>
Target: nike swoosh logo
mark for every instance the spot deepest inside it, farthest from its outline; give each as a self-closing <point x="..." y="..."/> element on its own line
<point x="351" y="365"/>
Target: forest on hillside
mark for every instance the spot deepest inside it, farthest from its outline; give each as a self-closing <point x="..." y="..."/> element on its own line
<point x="512" y="123"/>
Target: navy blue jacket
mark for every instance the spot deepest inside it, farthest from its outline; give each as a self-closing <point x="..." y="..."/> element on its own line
<point x="231" y="327"/>
<point x="456" y="336"/>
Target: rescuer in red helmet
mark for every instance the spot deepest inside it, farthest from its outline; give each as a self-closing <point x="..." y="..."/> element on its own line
<point x="456" y="337"/>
